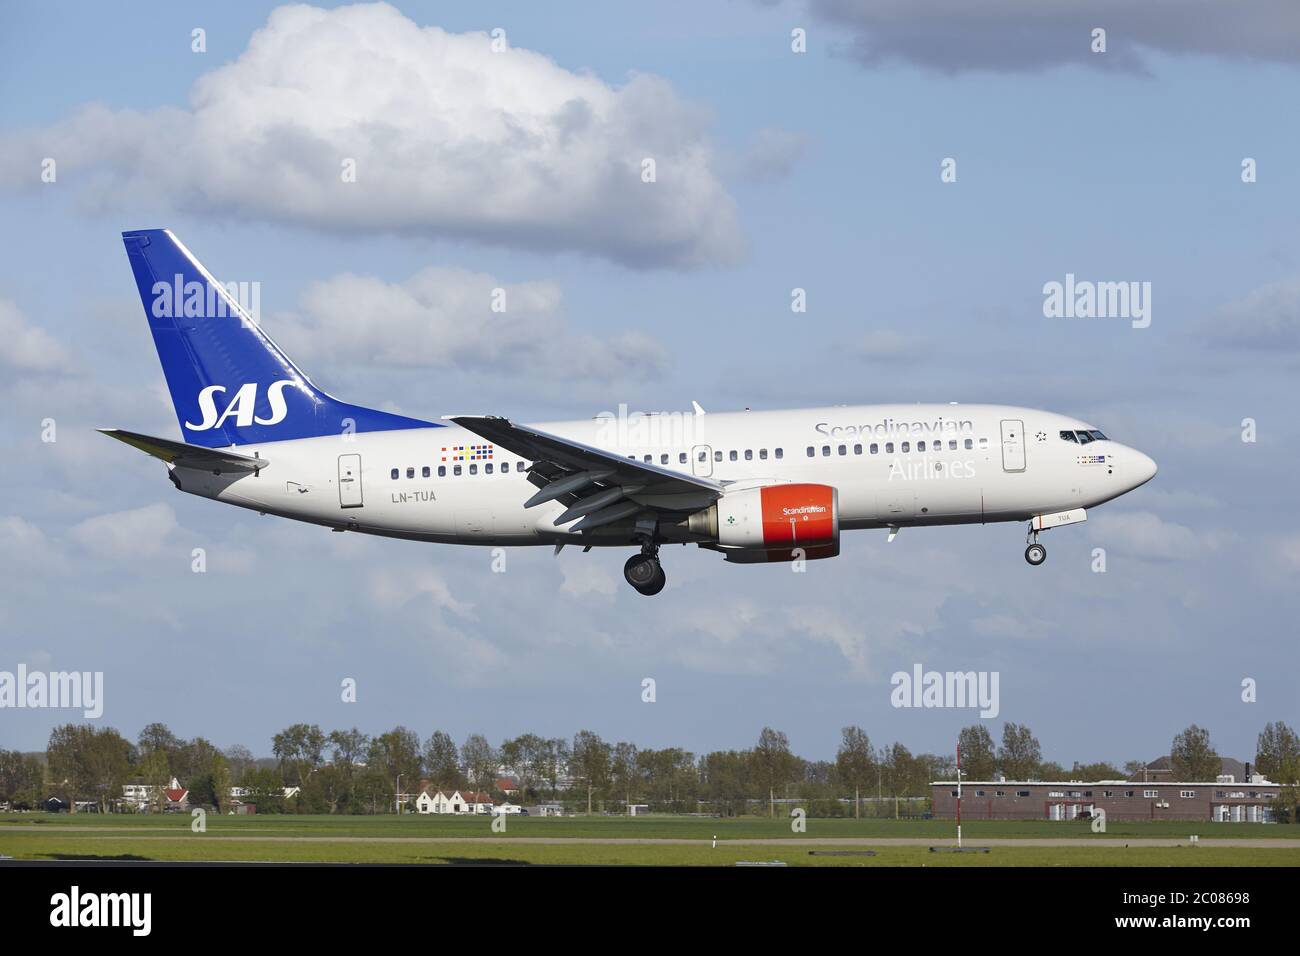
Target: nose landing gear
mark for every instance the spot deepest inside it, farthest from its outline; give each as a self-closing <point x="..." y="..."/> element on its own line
<point x="1035" y="554"/>
<point x="644" y="572"/>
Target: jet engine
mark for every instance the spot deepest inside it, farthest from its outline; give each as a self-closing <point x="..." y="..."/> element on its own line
<point x="783" y="522"/>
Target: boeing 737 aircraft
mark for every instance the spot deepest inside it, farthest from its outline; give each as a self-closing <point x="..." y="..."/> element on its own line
<point x="753" y="486"/>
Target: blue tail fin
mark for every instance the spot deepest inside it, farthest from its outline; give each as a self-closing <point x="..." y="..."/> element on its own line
<point x="230" y="384"/>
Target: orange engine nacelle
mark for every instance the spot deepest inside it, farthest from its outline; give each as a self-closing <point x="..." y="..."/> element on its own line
<point x="778" y="519"/>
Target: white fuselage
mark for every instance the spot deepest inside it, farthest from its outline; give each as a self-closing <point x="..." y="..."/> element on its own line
<point x="893" y="465"/>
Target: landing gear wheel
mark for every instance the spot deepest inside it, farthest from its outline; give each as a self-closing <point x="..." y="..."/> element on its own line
<point x="1035" y="554"/>
<point x="657" y="585"/>
<point x="644" y="573"/>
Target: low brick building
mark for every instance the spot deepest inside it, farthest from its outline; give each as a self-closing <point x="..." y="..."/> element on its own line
<point x="1221" y="801"/>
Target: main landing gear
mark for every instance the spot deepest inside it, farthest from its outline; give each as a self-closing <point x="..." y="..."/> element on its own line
<point x="644" y="572"/>
<point x="1035" y="554"/>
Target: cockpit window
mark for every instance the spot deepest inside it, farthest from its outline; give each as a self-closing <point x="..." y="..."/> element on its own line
<point x="1083" y="437"/>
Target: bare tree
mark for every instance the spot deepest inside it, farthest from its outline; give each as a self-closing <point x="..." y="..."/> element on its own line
<point x="855" y="763"/>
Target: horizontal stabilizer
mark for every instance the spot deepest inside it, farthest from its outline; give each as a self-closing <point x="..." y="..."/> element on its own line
<point x="187" y="456"/>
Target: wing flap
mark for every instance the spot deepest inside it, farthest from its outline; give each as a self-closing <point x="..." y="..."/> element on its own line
<point x="596" y="487"/>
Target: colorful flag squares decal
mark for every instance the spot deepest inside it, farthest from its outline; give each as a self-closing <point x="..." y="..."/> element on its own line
<point x="467" y="453"/>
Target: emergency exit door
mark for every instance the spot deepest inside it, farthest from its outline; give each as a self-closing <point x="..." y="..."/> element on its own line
<point x="350" y="481"/>
<point x="1013" y="445"/>
<point x="702" y="461"/>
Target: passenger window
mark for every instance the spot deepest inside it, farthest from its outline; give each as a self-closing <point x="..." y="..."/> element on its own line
<point x="844" y="450"/>
<point x="505" y="467"/>
<point x="1069" y="436"/>
<point x="875" y="448"/>
<point x="473" y="469"/>
<point x="663" y="459"/>
<point x="681" y="458"/>
<point x="424" y="472"/>
<point x="907" y="447"/>
<point x="780" y="453"/>
<point x="487" y="469"/>
<point x="984" y="443"/>
<point x="952" y="444"/>
<point x="649" y="458"/>
<point x="857" y="449"/>
<point x="717" y="456"/>
<point x="702" y="456"/>
<point x="410" y="472"/>
<point x="455" y="470"/>
<point x="969" y="444"/>
<point x="442" y="471"/>
<point x="810" y="454"/>
<point x="732" y="456"/>
<point x="749" y="454"/>
<point x="826" y="451"/>
<point x="920" y="446"/>
<point x="762" y="454"/>
<point x="393" y="473"/>
<point x="889" y="448"/>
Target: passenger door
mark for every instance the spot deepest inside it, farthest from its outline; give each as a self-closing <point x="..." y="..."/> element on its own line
<point x="350" y="481"/>
<point x="1013" y="445"/>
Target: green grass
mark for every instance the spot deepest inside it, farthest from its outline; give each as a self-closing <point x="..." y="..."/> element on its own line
<point x="416" y="839"/>
<point x="648" y="827"/>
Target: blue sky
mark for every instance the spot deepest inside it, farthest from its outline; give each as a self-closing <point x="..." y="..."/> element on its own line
<point x="818" y="171"/>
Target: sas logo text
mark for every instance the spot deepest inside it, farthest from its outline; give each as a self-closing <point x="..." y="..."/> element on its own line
<point x="241" y="406"/>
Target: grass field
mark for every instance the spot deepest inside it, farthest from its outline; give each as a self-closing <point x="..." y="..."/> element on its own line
<point x="653" y="840"/>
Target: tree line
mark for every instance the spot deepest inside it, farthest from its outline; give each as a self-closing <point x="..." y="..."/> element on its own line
<point x="348" y="771"/>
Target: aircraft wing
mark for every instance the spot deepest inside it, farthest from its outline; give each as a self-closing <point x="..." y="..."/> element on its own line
<point x="597" y="486"/>
<point x="187" y="456"/>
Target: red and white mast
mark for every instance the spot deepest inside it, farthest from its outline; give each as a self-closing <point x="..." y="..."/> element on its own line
<point x="959" y="794"/>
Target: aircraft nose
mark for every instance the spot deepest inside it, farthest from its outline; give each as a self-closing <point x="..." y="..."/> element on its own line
<point x="1144" y="468"/>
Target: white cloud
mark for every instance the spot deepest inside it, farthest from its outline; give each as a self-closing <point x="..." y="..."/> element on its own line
<point x="1288" y="549"/>
<point x="394" y="588"/>
<point x="1146" y="535"/>
<point x="585" y="578"/>
<point x="420" y="606"/>
<point x="443" y="318"/>
<point x="449" y="138"/>
<point x="854" y="641"/>
<point x="24" y="545"/>
<point x="887" y="345"/>
<point x="1181" y="500"/>
<point x="138" y="533"/>
<point x="771" y="155"/>
<point x="27" y="348"/>
<point x="1266" y="319"/>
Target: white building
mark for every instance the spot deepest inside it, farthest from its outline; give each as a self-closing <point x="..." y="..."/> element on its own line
<point x="453" y="801"/>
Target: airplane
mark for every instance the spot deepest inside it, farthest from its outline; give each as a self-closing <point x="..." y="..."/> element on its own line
<point x="753" y="486"/>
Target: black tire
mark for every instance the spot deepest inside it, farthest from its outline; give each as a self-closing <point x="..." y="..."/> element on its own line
<point x="641" y="570"/>
<point x="1035" y="554"/>
<point x="657" y="585"/>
